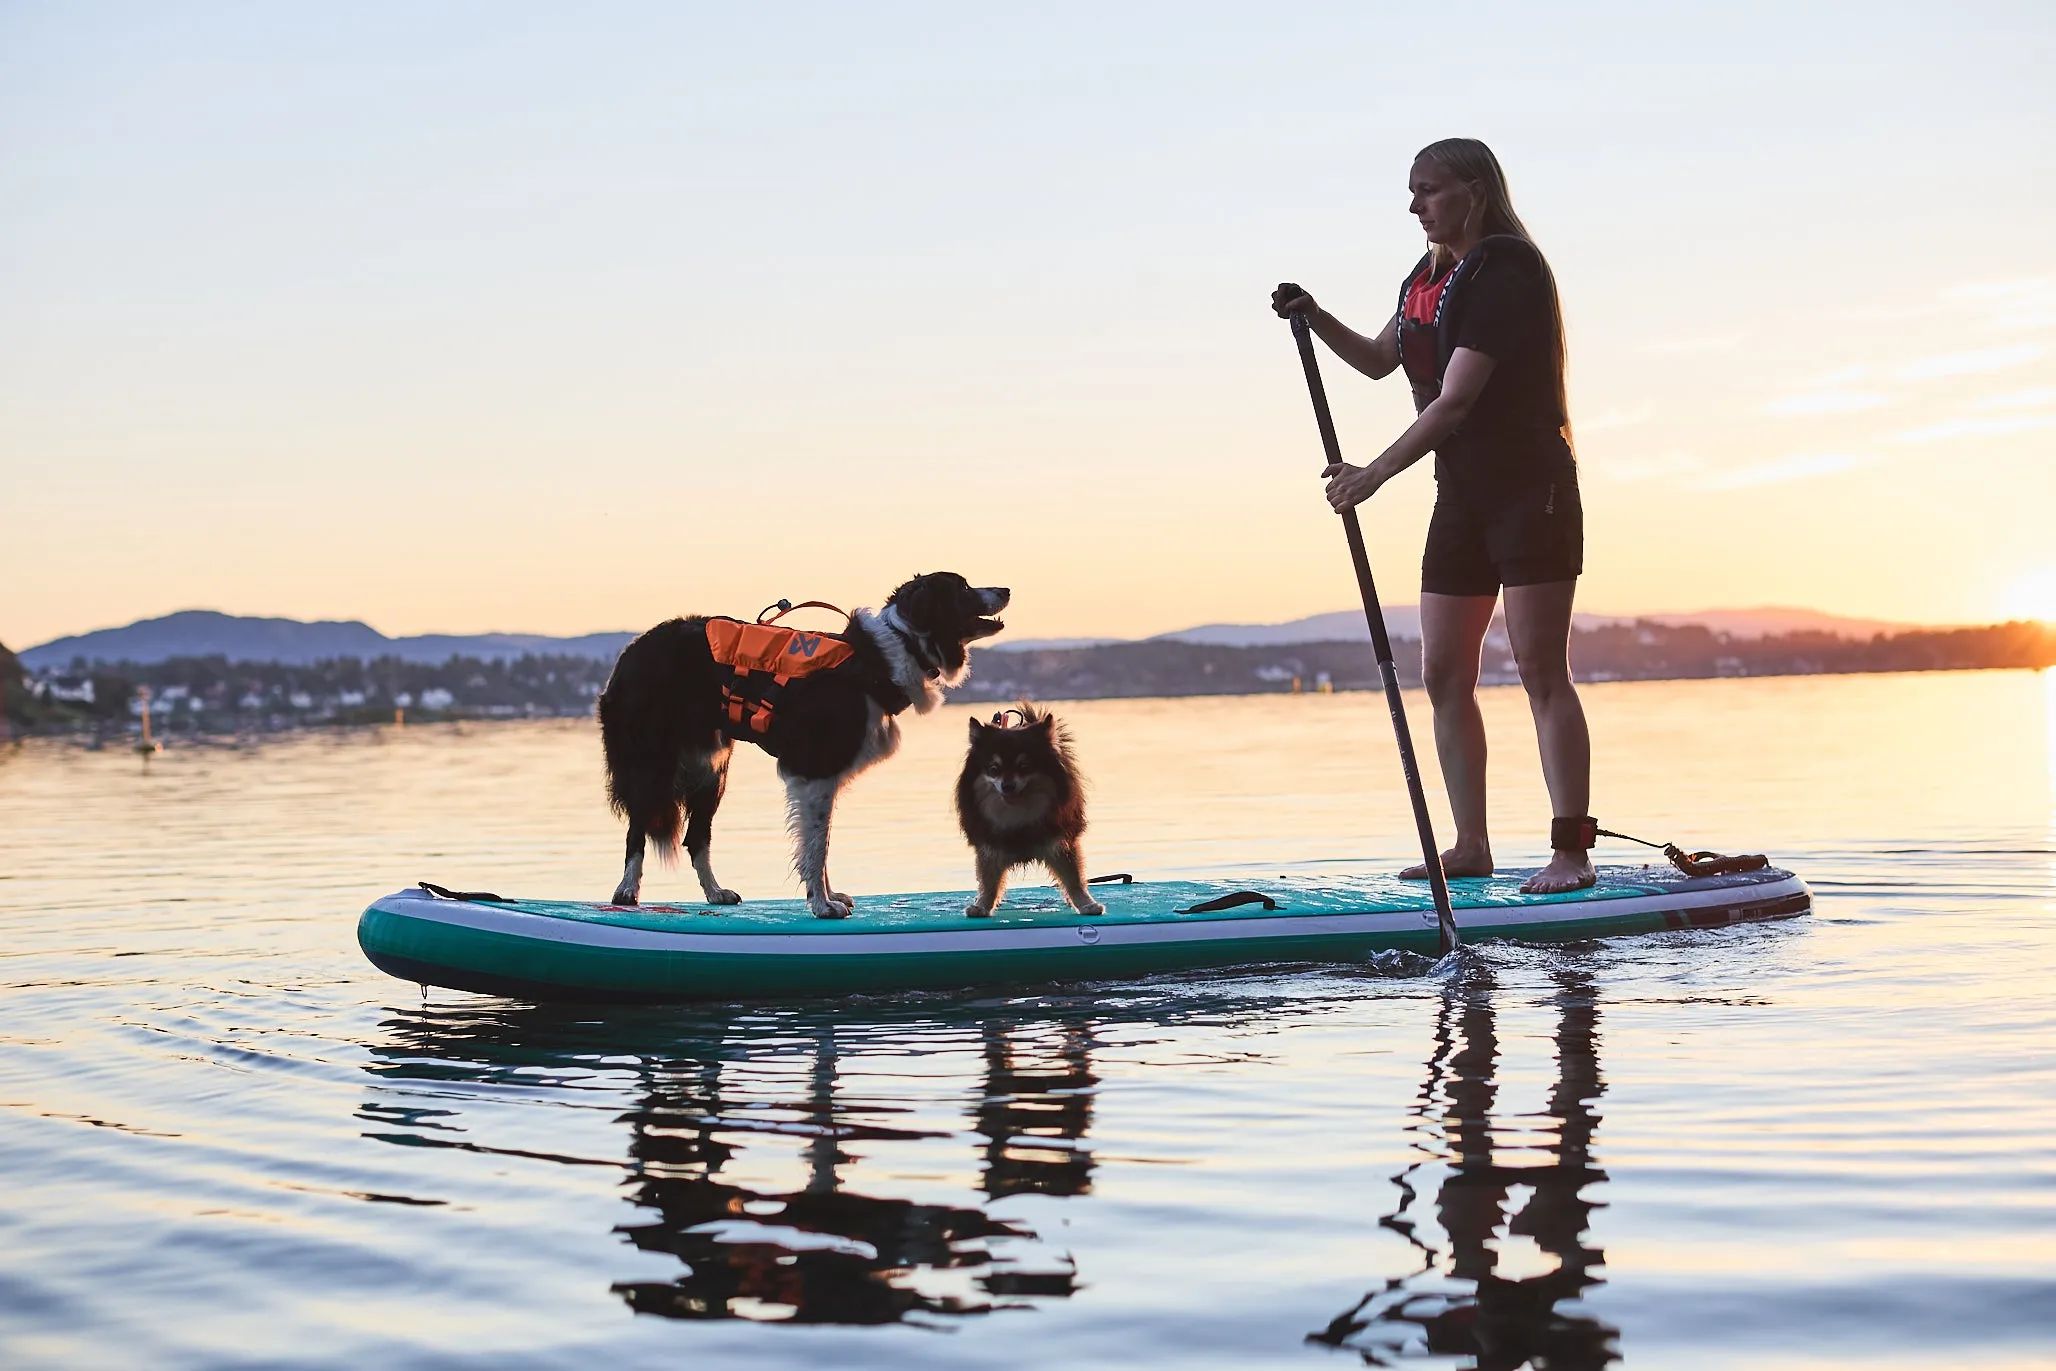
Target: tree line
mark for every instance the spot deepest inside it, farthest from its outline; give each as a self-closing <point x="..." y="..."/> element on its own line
<point x="212" y="694"/>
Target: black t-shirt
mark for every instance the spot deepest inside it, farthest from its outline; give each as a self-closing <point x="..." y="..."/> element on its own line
<point x="1500" y="302"/>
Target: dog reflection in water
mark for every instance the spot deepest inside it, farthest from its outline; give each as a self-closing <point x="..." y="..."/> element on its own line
<point x="1021" y="800"/>
<point x="828" y="1253"/>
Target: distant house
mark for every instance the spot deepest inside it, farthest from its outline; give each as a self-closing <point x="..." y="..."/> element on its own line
<point x="76" y="690"/>
<point x="435" y="697"/>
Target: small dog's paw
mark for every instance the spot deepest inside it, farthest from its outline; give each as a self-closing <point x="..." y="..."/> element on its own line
<point x="975" y="910"/>
<point x="624" y="896"/>
<point x="719" y="896"/>
<point x="1092" y="907"/>
<point x="829" y="909"/>
<point x="842" y="899"/>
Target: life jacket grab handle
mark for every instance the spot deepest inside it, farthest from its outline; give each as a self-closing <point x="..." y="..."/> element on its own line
<point x="785" y="607"/>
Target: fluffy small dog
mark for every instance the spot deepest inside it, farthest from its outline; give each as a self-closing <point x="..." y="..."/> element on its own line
<point x="1020" y="800"/>
<point x="669" y="718"/>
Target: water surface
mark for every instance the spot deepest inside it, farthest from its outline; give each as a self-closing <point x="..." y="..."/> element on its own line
<point x="229" y="1141"/>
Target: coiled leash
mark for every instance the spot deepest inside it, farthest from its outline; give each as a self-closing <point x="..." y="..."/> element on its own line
<point x="1579" y="833"/>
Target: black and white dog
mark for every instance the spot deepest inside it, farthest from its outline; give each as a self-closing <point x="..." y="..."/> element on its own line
<point x="668" y="741"/>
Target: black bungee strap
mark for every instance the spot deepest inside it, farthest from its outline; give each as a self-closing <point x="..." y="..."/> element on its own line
<point x="474" y="896"/>
<point x="1220" y="902"/>
<point x="1118" y="877"/>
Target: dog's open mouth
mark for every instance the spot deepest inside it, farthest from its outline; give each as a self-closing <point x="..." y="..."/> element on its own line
<point x="985" y="628"/>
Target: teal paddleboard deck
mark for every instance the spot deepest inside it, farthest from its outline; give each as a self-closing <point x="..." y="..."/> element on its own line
<point x="774" y="949"/>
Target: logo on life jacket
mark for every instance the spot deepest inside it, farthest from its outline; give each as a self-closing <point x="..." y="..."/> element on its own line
<point x="762" y="658"/>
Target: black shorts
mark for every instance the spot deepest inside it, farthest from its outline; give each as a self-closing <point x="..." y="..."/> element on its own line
<point x="1524" y="539"/>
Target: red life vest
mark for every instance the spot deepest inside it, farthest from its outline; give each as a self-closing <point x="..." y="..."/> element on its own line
<point x="761" y="658"/>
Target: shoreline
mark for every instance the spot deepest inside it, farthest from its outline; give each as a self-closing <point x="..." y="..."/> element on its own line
<point x="108" y="735"/>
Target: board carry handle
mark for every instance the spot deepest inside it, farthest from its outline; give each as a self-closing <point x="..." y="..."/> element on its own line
<point x="1118" y="877"/>
<point x="1220" y="902"/>
<point x="472" y="896"/>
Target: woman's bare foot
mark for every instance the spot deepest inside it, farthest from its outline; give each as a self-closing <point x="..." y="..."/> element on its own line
<point x="1566" y="871"/>
<point x="1461" y="860"/>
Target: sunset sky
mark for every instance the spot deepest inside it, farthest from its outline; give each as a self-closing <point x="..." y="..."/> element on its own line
<point x="523" y="317"/>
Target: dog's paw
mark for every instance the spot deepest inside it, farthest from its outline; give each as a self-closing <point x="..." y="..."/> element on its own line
<point x="719" y="896"/>
<point x="975" y="910"/>
<point x="842" y="899"/>
<point x="829" y="909"/>
<point x="1092" y="907"/>
<point x="624" y="896"/>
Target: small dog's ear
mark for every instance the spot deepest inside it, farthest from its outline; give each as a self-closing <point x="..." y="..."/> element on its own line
<point x="978" y="730"/>
<point x="1044" y="723"/>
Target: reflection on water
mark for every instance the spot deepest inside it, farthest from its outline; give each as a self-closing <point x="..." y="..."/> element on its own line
<point x="829" y="1251"/>
<point x="228" y="1141"/>
<point x="825" y="1252"/>
<point x="1457" y="1302"/>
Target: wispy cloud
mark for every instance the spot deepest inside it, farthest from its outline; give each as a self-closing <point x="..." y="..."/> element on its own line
<point x="1996" y="426"/>
<point x="2019" y="399"/>
<point x="1663" y="466"/>
<point x="1797" y="467"/>
<point x="1828" y="402"/>
<point x="1841" y="376"/>
<point x="1970" y="363"/>
<point x="1614" y="418"/>
<point x="2027" y="303"/>
<point x="1711" y="342"/>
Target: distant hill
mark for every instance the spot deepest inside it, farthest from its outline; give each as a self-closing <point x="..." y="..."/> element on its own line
<point x="1338" y="626"/>
<point x="1404" y="621"/>
<point x="292" y="642"/>
<point x="1768" y="621"/>
<point x="205" y="633"/>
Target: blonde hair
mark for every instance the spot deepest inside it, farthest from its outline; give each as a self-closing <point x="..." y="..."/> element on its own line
<point x="1472" y="163"/>
<point x="1491" y="212"/>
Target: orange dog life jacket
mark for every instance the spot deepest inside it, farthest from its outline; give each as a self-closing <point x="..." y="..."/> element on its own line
<point x="761" y="658"/>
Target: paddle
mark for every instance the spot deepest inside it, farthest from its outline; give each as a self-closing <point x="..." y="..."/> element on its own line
<point x="1431" y="857"/>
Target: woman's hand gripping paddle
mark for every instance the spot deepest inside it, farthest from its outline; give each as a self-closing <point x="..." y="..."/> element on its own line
<point x="1431" y="856"/>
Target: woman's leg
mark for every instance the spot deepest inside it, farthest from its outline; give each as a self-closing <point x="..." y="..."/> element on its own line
<point x="1452" y="640"/>
<point x="1538" y="623"/>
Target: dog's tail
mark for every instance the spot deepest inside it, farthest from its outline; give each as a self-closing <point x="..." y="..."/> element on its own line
<point x="651" y="807"/>
<point x="642" y="791"/>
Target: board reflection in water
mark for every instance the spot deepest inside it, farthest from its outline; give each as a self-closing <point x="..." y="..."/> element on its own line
<point x="1457" y="1303"/>
<point x="825" y="1253"/>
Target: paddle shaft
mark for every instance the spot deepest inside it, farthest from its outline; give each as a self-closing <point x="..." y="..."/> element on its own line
<point x="1431" y="856"/>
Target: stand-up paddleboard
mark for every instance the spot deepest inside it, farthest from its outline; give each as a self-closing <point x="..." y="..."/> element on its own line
<point x="775" y="949"/>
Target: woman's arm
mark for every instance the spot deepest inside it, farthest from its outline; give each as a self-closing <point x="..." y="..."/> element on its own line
<point x="1462" y="383"/>
<point x="1375" y="357"/>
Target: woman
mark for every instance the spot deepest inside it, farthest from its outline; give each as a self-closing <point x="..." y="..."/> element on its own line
<point x="1480" y="337"/>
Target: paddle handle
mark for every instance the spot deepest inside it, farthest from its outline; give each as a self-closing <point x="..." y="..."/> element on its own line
<point x="1374" y="616"/>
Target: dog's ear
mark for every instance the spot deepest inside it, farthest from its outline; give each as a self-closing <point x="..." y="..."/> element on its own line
<point x="978" y="729"/>
<point x="913" y="600"/>
<point x="1044" y="724"/>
